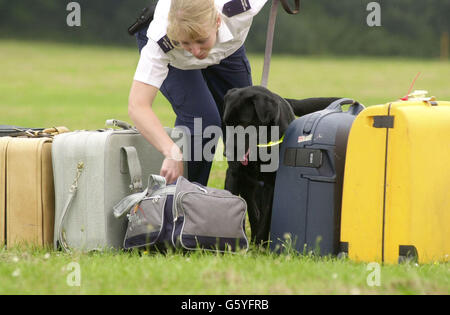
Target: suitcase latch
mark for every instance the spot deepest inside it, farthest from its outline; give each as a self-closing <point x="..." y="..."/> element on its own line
<point x="383" y="121"/>
<point x="301" y="157"/>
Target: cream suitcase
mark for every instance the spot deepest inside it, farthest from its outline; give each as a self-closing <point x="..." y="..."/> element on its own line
<point x="26" y="186"/>
<point x="26" y="191"/>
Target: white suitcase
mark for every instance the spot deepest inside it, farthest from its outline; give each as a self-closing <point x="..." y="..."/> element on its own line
<point x="93" y="171"/>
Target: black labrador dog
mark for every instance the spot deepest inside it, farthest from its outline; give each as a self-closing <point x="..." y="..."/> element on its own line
<point x="257" y="106"/>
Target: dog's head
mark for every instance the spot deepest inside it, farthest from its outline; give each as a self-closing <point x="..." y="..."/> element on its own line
<point x="256" y="107"/>
<point x="252" y="106"/>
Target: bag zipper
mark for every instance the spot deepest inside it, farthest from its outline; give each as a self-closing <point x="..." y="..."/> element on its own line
<point x="154" y="199"/>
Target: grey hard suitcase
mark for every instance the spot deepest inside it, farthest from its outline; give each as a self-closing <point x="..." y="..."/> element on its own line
<point x="308" y="188"/>
<point x="93" y="170"/>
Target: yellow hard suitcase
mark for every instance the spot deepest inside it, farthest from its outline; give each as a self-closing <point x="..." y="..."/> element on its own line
<point x="396" y="199"/>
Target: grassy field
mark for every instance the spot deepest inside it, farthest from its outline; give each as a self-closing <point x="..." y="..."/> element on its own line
<point x="45" y="272"/>
<point x="46" y="84"/>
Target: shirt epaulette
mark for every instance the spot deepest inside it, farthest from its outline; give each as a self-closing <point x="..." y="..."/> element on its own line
<point x="235" y="7"/>
<point x="165" y="44"/>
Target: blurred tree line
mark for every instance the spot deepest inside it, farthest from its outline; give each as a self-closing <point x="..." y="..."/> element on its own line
<point x="324" y="27"/>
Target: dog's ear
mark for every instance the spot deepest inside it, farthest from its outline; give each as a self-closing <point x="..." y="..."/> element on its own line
<point x="228" y="103"/>
<point x="266" y="109"/>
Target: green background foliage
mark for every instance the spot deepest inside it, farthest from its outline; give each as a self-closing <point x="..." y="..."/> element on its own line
<point x="324" y="27"/>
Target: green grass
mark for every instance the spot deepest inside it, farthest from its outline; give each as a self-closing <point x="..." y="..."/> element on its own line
<point x="256" y="272"/>
<point x="48" y="84"/>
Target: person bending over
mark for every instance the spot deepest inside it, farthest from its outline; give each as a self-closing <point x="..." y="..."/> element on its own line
<point x="193" y="52"/>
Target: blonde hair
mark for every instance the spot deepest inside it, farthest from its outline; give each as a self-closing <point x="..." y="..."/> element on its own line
<point x="191" y="19"/>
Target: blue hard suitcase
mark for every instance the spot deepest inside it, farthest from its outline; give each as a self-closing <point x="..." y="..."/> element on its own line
<point x="308" y="187"/>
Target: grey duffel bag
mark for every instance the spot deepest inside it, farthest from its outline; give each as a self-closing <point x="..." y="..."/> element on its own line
<point x="184" y="215"/>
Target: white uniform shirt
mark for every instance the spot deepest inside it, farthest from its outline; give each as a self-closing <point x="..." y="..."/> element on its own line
<point x="152" y="67"/>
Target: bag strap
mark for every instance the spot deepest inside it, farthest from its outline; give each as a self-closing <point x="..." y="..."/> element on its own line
<point x="156" y="184"/>
<point x="61" y="233"/>
<point x="126" y="204"/>
<point x="55" y="131"/>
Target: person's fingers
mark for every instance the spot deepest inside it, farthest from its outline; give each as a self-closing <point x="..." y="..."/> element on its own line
<point x="171" y="170"/>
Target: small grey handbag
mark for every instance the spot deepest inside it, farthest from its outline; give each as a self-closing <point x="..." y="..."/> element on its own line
<point x="184" y="215"/>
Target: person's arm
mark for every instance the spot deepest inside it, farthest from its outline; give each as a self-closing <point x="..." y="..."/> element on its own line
<point x="141" y="113"/>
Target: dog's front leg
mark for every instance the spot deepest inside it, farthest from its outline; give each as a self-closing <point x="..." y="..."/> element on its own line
<point x="232" y="179"/>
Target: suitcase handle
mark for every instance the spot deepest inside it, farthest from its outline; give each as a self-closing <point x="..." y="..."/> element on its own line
<point x="336" y="106"/>
<point x="130" y="162"/>
<point x="354" y="109"/>
<point x="326" y="179"/>
<point x="119" y="123"/>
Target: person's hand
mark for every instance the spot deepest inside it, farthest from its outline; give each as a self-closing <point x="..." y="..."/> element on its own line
<point x="172" y="166"/>
<point x="171" y="169"/>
